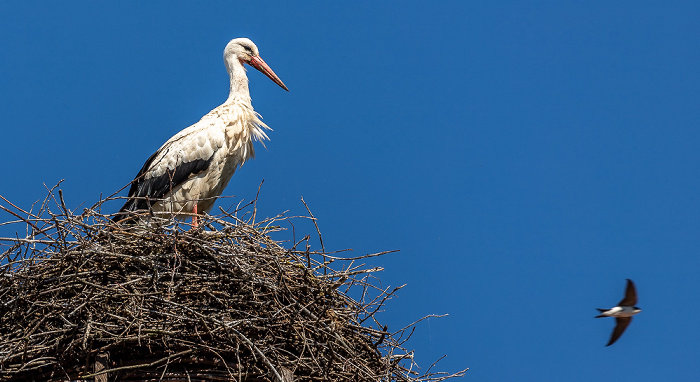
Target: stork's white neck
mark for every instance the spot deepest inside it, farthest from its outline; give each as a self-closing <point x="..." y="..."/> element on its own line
<point x="238" y="90"/>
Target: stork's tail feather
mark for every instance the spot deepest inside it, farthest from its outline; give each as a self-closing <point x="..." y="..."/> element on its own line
<point x="119" y="216"/>
<point x="601" y="311"/>
<point x="124" y="212"/>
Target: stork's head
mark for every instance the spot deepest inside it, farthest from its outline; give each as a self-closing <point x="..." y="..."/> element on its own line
<point x="243" y="50"/>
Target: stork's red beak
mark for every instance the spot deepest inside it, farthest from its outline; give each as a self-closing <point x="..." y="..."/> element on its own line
<point x="259" y="64"/>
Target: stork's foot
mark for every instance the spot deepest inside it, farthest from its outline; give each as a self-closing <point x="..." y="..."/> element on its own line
<point x="195" y="217"/>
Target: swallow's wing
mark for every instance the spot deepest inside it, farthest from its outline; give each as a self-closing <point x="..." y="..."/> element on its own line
<point x="621" y="324"/>
<point x="630" y="295"/>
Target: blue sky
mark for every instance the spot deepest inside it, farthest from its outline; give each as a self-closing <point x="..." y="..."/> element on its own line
<point x="525" y="158"/>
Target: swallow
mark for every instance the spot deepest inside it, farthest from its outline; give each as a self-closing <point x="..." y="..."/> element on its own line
<point x="623" y="312"/>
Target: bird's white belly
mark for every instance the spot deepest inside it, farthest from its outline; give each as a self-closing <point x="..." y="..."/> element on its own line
<point x="627" y="311"/>
<point x="202" y="189"/>
<point x="624" y="311"/>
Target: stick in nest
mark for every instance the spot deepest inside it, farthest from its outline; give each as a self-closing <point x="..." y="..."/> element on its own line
<point x="237" y="306"/>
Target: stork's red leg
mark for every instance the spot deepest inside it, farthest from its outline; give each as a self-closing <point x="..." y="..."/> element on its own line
<point x="195" y="217"/>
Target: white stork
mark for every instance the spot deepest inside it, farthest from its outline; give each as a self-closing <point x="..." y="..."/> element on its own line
<point x="188" y="173"/>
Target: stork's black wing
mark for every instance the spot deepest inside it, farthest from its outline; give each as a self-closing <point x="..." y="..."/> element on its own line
<point x="147" y="189"/>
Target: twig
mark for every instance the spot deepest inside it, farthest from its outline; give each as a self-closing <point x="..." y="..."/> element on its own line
<point x="90" y="286"/>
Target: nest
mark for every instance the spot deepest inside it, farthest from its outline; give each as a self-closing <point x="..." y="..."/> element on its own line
<point x="83" y="299"/>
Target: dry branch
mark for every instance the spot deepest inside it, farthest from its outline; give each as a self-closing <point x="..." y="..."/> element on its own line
<point x="82" y="299"/>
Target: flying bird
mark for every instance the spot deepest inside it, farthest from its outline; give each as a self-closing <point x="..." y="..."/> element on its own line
<point x="623" y="312"/>
<point x="186" y="175"/>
